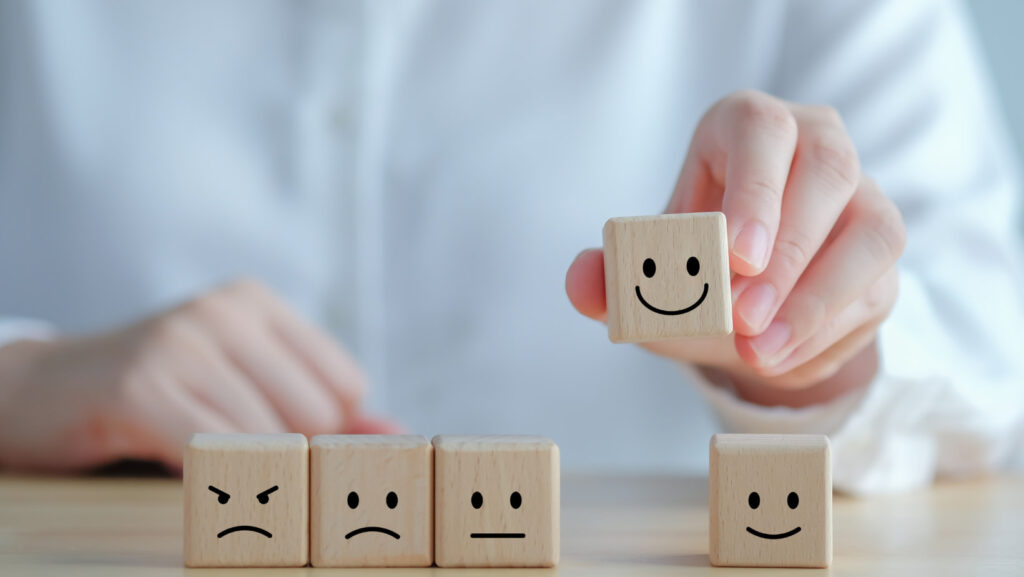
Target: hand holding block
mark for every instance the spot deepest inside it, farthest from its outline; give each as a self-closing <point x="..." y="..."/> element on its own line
<point x="667" y="277"/>
<point x="246" y="501"/>
<point x="496" y="501"/>
<point x="372" y="501"/>
<point x="770" y="501"/>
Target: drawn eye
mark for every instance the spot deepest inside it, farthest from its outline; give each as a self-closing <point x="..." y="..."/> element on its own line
<point x="222" y="497"/>
<point x="264" y="497"/>
<point x="754" y="500"/>
<point x="793" y="500"/>
<point x="392" y="500"/>
<point x="692" y="266"/>
<point x="516" y="500"/>
<point x="649" y="268"/>
<point x="477" y="500"/>
<point x="353" y="500"/>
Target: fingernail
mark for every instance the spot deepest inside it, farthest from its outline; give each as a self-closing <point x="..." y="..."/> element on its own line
<point x="751" y="244"/>
<point x="755" y="304"/>
<point x="768" y="344"/>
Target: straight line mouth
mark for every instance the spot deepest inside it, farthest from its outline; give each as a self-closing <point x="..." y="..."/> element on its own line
<point x="497" y="535"/>
<point x="362" y="530"/>
<point x="231" y="530"/>
<point x="757" y="533"/>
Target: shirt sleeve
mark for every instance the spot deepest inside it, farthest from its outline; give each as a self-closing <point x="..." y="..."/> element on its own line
<point x="948" y="399"/>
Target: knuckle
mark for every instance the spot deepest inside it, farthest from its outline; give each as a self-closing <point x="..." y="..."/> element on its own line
<point x="833" y="151"/>
<point x="758" y="109"/>
<point x="791" y="254"/>
<point x="886" y="233"/>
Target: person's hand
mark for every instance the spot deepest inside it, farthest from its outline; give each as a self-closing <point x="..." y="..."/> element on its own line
<point x="813" y="245"/>
<point x="234" y="360"/>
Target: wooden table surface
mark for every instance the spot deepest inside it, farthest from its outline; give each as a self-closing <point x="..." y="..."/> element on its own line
<point x="611" y="525"/>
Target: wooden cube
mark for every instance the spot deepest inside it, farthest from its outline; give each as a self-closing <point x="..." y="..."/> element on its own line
<point x="667" y="277"/>
<point x="770" y="501"/>
<point x="496" y="501"/>
<point x="246" y="501"/>
<point x="372" y="501"/>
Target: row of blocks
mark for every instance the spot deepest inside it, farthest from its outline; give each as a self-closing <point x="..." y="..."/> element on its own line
<point x="371" y="501"/>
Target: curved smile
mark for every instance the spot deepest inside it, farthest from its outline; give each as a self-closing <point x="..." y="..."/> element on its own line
<point x="672" y="313"/>
<point x="757" y="533"/>
<point x="362" y="530"/>
<point x="231" y="530"/>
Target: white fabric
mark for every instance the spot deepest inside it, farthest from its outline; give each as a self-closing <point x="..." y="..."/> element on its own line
<point x="418" y="175"/>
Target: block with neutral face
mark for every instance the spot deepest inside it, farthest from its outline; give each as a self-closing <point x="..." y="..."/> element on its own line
<point x="372" y="501"/>
<point x="496" y="501"/>
<point x="246" y="500"/>
<point x="667" y="277"/>
<point x="770" y="501"/>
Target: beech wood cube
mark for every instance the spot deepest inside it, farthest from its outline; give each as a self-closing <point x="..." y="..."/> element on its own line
<point x="770" y="501"/>
<point x="667" y="277"/>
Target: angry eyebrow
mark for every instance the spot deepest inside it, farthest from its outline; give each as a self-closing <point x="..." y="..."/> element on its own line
<point x="264" y="496"/>
<point x="222" y="497"/>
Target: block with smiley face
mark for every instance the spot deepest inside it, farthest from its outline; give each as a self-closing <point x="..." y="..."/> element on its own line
<point x="496" y="501"/>
<point x="770" y="501"/>
<point x="667" y="277"/>
<point x="372" y="501"/>
<point x="246" y="500"/>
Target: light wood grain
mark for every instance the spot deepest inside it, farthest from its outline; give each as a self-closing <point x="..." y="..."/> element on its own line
<point x="373" y="468"/>
<point x="666" y="243"/>
<point x="649" y="526"/>
<point x="259" y="483"/>
<point x="496" y="501"/>
<point x="771" y="485"/>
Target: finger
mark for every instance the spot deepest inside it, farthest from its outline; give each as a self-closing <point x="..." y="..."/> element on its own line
<point x="304" y="403"/>
<point x="869" y="239"/>
<point x="850" y="354"/>
<point x="822" y="180"/>
<point x="584" y="284"/>
<point x="319" y="354"/>
<point x="367" y="425"/>
<point x="171" y="415"/>
<point x="743" y="147"/>
<point x="865" y="314"/>
<point x="216" y="382"/>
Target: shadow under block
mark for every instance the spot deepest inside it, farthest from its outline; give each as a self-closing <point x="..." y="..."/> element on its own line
<point x="667" y="277"/>
<point x="496" y="501"/>
<point x="372" y="501"/>
<point x="246" y="500"/>
<point x="770" y="500"/>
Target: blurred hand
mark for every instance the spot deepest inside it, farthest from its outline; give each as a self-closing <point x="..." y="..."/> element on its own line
<point x="812" y="248"/>
<point x="234" y="360"/>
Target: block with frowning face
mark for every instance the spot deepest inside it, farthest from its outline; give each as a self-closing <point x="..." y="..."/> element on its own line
<point x="372" y="501"/>
<point x="496" y="501"/>
<point x="246" y="500"/>
<point x="667" y="277"/>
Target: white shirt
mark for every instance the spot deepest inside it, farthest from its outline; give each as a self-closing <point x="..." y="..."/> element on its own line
<point x="417" y="176"/>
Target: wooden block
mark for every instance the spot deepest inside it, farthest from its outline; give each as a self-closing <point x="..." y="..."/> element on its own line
<point x="372" y="501"/>
<point x="771" y="501"/>
<point x="246" y="501"/>
<point x="667" y="277"/>
<point x="496" y="501"/>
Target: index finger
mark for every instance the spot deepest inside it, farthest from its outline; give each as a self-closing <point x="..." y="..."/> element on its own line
<point x="739" y="159"/>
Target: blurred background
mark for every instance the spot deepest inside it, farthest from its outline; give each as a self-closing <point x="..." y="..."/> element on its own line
<point x="998" y="30"/>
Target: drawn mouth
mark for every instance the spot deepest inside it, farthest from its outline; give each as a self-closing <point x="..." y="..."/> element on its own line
<point x="497" y="535"/>
<point x="362" y="530"/>
<point x="757" y="533"/>
<point x="231" y="530"/>
<point x="671" y="313"/>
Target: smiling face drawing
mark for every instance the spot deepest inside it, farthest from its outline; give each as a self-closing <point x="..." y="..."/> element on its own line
<point x="372" y="501"/>
<point x="667" y="277"/>
<point x="770" y="501"/>
<point x="246" y="501"/>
